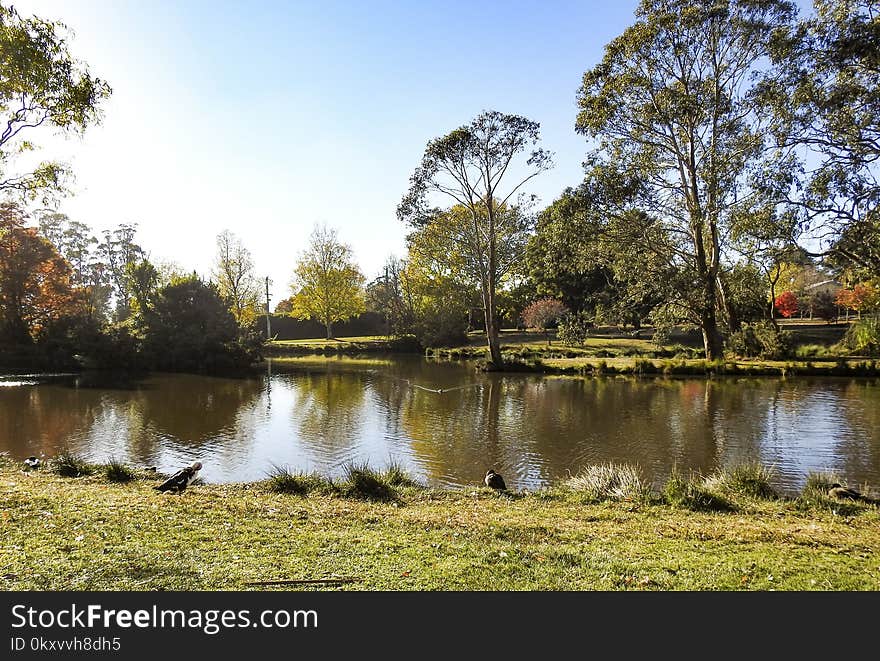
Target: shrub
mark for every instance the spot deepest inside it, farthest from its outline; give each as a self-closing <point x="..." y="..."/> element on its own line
<point x="786" y="304"/>
<point x="760" y="339"/>
<point x="610" y="482"/>
<point x="863" y="337"/>
<point x="543" y="313"/>
<point x="574" y="329"/>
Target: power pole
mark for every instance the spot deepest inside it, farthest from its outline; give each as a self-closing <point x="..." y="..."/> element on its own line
<point x="268" y="323"/>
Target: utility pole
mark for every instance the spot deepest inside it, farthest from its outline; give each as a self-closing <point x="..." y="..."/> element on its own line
<point x="387" y="305"/>
<point x="268" y="323"/>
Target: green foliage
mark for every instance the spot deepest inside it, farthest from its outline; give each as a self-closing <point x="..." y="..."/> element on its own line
<point x="40" y="84"/>
<point x="574" y="328"/>
<point x="610" y="482"/>
<point x="863" y="336"/>
<point x="485" y="229"/>
<point x="328" y="286"/>
<point x="825" y="96"/>
<point x="678" y="133"/>
<point x="761" y="339"/>
<point x="190" y="328"/>
<point x="745" y="287"/>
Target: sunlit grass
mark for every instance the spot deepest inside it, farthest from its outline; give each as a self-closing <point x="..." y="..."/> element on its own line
<point x="93" y="534"/>
<point x="610" y="482"/>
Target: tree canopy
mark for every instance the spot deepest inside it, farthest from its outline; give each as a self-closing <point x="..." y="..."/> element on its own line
<point x="327" y="284"/>
<point x="680" y="138"/>
<point x="41" y="84"/>
<point x="470" y="167"/>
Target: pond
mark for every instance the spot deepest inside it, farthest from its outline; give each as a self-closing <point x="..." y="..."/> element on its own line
<point x="446" y="423"/>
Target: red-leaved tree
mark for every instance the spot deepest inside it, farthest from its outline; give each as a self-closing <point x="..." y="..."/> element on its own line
<point x="786" y="304"/>
<point x="542" y="313"/>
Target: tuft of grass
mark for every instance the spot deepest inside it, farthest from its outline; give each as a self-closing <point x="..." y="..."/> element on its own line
<point x="815" y="495"/>
<point x="68" y="464"/>
<point x="116" y="471"/>
<point x="396" y="476"/>
<point x="282" y="480"/>
<point x="610" y="482"/>
<point x="749" y="479"/>
<point x="362" y="482"/>
<point x="692" y="494"/>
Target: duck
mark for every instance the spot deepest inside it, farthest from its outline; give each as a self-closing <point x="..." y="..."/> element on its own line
<point x="494" y="480"/>
<point x="32" y="463"/>
<point x="181" y="479"/>
<point x="841" y="492"/>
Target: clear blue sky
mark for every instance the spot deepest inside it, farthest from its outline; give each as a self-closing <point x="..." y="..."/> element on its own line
<point x="266" y="117"/>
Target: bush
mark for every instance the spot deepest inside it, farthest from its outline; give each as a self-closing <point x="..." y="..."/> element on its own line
<point x="863" y="337"/>
<point x="574" y="329"/>
<point x="761" y="339"/>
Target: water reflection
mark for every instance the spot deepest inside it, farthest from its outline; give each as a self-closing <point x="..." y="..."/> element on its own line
<point x="448" y="424"/>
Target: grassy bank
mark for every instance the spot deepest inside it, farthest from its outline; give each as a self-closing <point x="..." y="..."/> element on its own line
<point x="91" y="533"/>
<point x="342" y="346"/>
<point x="609" y="351"/>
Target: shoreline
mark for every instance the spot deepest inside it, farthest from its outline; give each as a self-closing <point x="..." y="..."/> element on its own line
<point x="87" y="532"/>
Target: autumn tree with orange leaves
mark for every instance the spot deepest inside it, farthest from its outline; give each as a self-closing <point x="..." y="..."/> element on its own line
<point x="35" y="285"/>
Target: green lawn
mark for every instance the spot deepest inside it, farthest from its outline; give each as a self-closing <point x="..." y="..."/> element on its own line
<point x="89" y="534"/>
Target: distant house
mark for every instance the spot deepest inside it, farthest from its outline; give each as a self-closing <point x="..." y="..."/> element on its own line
<point x="830" y="286"/>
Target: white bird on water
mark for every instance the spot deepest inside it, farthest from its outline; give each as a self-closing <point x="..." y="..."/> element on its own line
<point x="181" y="479"/>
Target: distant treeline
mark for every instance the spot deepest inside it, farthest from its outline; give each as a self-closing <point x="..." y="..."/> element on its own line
<point x="285" y="327"/>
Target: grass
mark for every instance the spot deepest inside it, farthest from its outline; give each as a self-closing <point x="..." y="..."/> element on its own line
<point x="282" y="480"/>
<point x="68" y="464"/>
<point x="691" y="493"/>
<point x="116" y="471"/>
<point x="752" y="480"/>
<point x="363" y="482"/>
<point x="92" y="534"/>
<point x="610" y="482"/>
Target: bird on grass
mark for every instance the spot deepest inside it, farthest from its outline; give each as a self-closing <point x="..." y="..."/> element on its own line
<point x="32" y="463"/>
<point x="841" y="492"/>
<point x="494" y="480"/>
<point x="181" y="479"/>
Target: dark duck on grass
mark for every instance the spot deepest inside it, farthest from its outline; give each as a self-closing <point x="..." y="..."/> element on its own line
<point x="181" y="479"/>
<point x="32" y="463"/>
<point x="494" y="480"/>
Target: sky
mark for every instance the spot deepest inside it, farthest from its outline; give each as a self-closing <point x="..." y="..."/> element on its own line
<point x="267" y="117"/>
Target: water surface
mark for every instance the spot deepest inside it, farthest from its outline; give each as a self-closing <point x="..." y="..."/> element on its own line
<point x="446" y="423"/>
